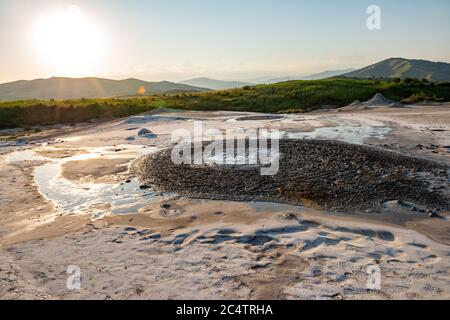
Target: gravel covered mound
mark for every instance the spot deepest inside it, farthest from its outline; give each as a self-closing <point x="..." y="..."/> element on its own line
<point x="321" y="174"/>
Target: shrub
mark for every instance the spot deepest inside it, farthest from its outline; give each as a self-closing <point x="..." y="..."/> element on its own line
<point x="408" y="80"/>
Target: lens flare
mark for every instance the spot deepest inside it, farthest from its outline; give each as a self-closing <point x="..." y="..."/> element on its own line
<point x="141" y="90"/>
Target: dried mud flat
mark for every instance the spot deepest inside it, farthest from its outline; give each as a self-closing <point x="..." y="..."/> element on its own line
<point x="71" y="202"/>
<point x="235" y="253"/>
<point x="320" y="174"/>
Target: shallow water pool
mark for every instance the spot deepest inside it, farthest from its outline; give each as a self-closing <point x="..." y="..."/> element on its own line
<point x="96" y="199"/>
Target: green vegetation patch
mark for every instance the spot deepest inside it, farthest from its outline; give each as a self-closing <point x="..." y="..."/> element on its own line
<point x="285" y="97"/>
<point x="39" y="112"/>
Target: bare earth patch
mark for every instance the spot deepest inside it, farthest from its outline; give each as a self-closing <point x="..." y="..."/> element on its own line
<point x="98" y="170"/>
<point x="171" y="247"/>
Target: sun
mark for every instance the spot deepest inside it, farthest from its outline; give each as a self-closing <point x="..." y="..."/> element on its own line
<point x="68" y="41"/>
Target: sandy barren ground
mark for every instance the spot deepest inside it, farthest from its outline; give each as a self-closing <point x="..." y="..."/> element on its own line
<point x="72" y="202"/>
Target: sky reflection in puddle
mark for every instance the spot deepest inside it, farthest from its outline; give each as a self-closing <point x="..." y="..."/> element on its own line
<point x="96" y="199"/>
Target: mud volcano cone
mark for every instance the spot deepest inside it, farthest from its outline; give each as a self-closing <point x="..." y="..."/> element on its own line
<point x="321" y="174"/>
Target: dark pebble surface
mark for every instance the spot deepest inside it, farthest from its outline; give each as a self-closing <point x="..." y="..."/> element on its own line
<point x="321" y="174"/>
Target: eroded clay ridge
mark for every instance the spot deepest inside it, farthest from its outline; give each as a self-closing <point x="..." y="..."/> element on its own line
<point x="321" y="174"/>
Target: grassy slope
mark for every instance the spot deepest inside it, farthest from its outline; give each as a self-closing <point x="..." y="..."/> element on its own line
<point x="405" y="68"/>
<point x="47" y="112"/>
<point x="296" y="96"/>
<point x="303" y="96"/>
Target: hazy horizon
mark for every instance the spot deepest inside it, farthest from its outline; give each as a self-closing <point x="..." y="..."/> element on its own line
<point x="175" y="40"/>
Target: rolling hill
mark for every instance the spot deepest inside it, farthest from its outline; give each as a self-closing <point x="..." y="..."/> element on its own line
<point x="73" y="88"/>
<point x="215" y="84"/>
<point x="404" y="68"/>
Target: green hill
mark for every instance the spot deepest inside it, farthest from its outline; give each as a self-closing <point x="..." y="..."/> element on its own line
<point x="404" y="68"/>
<point x="305" y="96"/>
<point x="73" y="88"/>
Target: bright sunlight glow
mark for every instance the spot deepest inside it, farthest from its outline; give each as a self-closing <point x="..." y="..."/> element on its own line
<point x="68" y="41"/>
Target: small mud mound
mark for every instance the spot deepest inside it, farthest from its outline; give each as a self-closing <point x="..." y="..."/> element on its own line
<point x="320" y="174"/>
<point x="378" y="101"/>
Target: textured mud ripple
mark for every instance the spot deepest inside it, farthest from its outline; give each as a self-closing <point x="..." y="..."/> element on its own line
<point x="321" y="174"/>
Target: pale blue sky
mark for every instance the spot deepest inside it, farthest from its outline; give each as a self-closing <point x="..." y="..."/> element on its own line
<point x="228" y="39"/>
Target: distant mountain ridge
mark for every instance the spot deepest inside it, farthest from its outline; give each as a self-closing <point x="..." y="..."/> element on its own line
<point x="73" y="88"/>
<point x="404" y="68"/>
<point x="316" y="76"/>
<point x="215" y="84"/>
